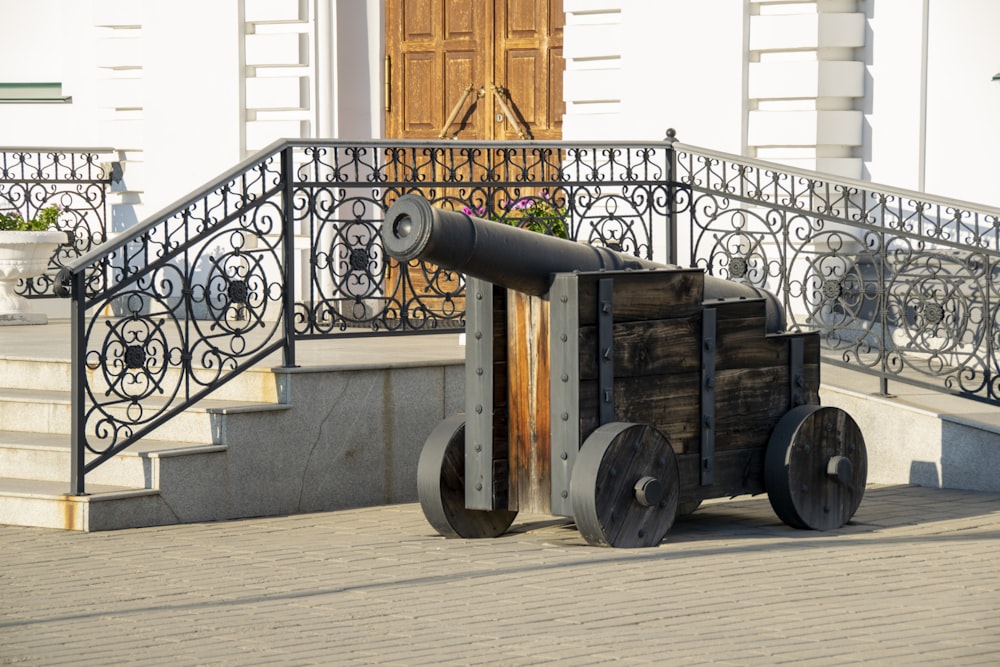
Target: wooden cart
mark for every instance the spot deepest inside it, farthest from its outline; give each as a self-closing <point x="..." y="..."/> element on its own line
<point x="619" y="392"/>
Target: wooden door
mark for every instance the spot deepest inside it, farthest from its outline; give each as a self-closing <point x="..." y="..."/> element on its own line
<point x="528" y="63"/>
<point x="436" y="49"/>
<point x="490" y="70"/>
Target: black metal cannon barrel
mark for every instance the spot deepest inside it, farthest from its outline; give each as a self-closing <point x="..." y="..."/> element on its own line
<point x="519" y="259"/>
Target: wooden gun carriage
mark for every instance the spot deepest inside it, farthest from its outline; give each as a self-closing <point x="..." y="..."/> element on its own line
<point x="620" y="392"/>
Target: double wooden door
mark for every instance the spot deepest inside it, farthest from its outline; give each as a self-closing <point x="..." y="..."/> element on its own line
<point x="493" y="68"/>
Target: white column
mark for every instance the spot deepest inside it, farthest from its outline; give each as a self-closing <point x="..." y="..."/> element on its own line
<point x="806" y="84"/>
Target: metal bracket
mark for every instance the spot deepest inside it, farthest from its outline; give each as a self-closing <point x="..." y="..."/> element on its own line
<point x="606" y="350"/>
<point x="796" y="372"/>
<point x="708" y="352"/>
<point x="479" y="395"/>
<point x="564" y="386"/>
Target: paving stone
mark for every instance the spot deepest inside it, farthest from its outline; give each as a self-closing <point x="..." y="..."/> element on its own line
<point x="913" y="581"/>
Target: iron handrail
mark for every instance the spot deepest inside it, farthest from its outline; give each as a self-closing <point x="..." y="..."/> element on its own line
<point x="284" y="247"/>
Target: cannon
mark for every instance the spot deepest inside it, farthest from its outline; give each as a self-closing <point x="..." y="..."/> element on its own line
<point x="619" y="392"/>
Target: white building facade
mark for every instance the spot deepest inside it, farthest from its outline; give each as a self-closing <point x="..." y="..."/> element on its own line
<point x="899" y="92"/>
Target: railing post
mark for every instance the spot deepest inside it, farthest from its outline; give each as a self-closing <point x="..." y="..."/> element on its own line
<point x="672" y="204"/>
<point x="288" y="243"/>
<point x="78" y="382"/>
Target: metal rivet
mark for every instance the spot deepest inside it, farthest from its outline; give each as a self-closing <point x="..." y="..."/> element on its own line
<point x="478" y="335"/>
<point x="564" y="416"/>
<point x="479" y="296"/>
<point x="564" y="456"/>
<point x="564" y="494"/>
<point x="564" y="298"/>
<point x="564" y="338"/>
<point x="479" y="371"/>
<point x="479" y="448"/>
<point x="479" y="486"/>
<point x="479" y="409"/>
<point x="564" y="377"/>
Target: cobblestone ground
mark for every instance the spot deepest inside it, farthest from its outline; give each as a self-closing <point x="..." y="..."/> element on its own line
<point x="915" y="579"/>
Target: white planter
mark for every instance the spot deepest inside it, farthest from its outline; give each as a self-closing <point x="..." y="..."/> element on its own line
<point x="23" y="255"/>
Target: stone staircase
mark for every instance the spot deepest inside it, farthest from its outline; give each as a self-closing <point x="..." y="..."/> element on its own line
<point x="271" y="441"/>
<point x="126" y="491"/>
<point x="345" y="430"/>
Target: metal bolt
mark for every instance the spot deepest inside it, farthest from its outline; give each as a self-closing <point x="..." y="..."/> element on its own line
<point x="564" y="456"/>
<point x="479" y="296"/>
<point x="479" y="371"/>
<point x="479" y="409"/>
<point x="564" y="416"/>
<point x="564" y="338"/>
<point x="479" y="448"/>
<point x="564" y="494"/>
<point x="479" y="486"/>
<point x="564" y="298"/>
<point x="648" y="491"/>
<point x="478" y="335"/>
<point x="564" y="377"/>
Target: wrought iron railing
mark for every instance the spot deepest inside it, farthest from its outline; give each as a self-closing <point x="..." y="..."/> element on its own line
<point x="74" y="179"/>
<point x="286" y="247"/>
<point x="901" y="285"/>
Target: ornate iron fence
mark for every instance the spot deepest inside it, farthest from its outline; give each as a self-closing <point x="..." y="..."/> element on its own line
<point x="286" y="246"/>
<point x="74" y="179"/>
<point x="901" y="285"/>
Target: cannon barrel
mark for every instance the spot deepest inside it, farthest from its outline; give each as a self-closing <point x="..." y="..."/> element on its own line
<point x="519" y="259"/>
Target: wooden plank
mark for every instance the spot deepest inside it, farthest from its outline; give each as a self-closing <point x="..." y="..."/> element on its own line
<point x="671" y="403"/>
<point x="737" y="472"/>
<point x="644" y="295"/>
<point x="652" y="347"/>
<point x="529" y="429"/>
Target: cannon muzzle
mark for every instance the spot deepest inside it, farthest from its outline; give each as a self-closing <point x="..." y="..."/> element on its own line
<point x="519" y="259"/>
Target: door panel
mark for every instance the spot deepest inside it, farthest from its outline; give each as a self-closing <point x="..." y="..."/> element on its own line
<point x="436" y="48"/>
<point x="529" y="64"/>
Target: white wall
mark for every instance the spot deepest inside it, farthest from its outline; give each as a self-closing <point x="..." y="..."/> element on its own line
<point x="635" y="69"/>
<point x="941" y="136"/>
<point x="192" y="98"/>
<point x="683" y="68"/>
<point x="48" y="41"/>
<point x="963" y="102"/>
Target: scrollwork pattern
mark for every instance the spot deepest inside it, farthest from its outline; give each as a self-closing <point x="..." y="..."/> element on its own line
<point x="897" y="284"/>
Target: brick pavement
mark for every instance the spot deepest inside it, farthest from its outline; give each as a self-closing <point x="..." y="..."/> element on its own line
<point x="914" y="580"/>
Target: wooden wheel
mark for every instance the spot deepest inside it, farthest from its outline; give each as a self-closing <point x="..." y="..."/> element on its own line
<point x="815" y="468"/>
<point x="625" y="486"/>
<point x="441" y="486"/>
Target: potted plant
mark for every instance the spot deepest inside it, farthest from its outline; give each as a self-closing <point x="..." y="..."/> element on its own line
<point x="539" y="213"/>
<point x="26" y="246"/>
